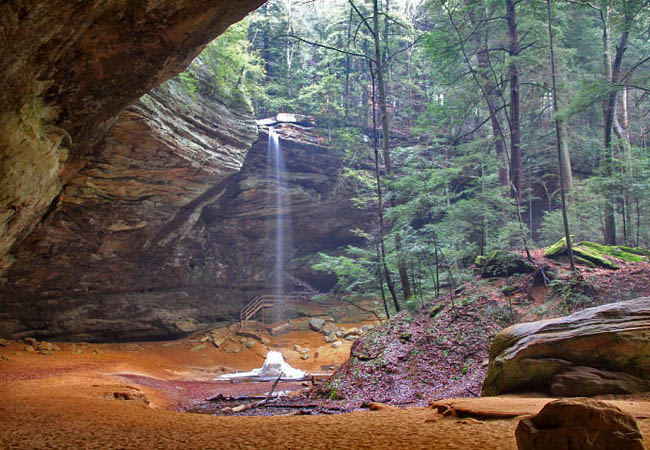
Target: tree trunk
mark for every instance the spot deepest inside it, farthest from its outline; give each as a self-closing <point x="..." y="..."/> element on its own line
<point x="289" y="47"/>
<point x="346" y="98"/>
<point x="558" y="136"/>
<point x="515" y="131"/>
<point x="476" y="17"/>
<point x="380" y="199"/>
<point x="403" y="272"/>
<point x="613" y="72"/>
<point x="567" y="171"/>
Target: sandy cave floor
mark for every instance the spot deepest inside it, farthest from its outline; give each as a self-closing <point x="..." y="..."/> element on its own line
<point x="72" y="400"/>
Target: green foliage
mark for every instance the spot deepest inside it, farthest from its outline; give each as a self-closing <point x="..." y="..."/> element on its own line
<point x="227" y="68"/>
<point x="574" y="294"/>
<point x="585" y="216"/>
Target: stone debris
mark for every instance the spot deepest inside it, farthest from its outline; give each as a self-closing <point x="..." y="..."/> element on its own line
<point x="337" y="344"/>
<point x="232" y="347"/>
<point x="299" y="349"/>
<point x="316" y="324"/>
<point x="280" y="329"/>
<point x="3" y="342"/>
<point x="580" y="423"/>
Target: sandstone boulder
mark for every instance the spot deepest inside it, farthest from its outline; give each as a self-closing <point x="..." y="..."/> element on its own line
<point x="579" y="423"/>
<point x="600" y="350"/>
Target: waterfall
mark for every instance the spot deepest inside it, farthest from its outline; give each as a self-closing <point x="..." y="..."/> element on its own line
<point x="279" y="202"/>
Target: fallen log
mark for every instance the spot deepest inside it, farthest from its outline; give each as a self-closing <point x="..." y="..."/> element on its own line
<point x="242" y="408"/>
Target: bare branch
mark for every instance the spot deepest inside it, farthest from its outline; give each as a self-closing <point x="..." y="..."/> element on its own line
<point x="316" y="44"/>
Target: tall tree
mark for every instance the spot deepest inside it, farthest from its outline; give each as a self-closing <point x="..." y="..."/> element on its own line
<point x="559" y="136"/>
<point x="515" y="128"/>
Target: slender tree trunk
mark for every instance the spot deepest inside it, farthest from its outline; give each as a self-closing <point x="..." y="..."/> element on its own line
<point x="380" y="199"/>
<point x="622" y="131"/>
<point x="515" y="130"/>
<point x="612" y="74"/>
<point x="558" y="136"/>
<point x="567" y="171"/>
<point x="403" y="273"/>
<point x="380" y="278"/>
<point x="477" y="18"/>
<point x="289" y="47"/>
<point x="346" y="99"/>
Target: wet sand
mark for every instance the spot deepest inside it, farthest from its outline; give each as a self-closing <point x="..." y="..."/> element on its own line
<point x="70" y="400"/>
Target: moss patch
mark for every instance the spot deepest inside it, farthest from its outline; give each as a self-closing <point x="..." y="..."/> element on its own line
<point x="616" y="251"/>
<point x="592" y="254"/>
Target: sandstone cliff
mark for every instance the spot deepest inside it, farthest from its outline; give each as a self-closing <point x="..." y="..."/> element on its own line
<point x="165" y="230"/>
<point x="66" y="71"/>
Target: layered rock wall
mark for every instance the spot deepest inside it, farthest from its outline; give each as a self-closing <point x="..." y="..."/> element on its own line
<point x="110" y="248"/>
<point x="168" y="228"/>
<point x="66" y="71"/>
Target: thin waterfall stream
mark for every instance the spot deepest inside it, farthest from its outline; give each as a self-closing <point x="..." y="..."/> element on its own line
<point x="278" y="200"/>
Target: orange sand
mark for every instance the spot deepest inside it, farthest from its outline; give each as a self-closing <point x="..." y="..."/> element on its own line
<point x="65" y="400"/>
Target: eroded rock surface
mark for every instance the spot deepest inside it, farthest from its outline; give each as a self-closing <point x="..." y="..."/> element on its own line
<point x="599" y="350"/>
<point x="579" y="423"/>
<point x="166" y="229"/>
<point x="67" y="69"/>
<point x="110" y="249"/>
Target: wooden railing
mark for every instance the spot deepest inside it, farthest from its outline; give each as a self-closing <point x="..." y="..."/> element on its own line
<point x="260" y="302"/>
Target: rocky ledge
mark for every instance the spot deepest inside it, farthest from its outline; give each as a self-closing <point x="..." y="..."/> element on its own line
<point x="601" y="350"/>
<point x="166" y="229"/>
<point x="67" y="69"/>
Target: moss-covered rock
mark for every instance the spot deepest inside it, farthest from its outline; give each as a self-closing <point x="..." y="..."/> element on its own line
<point x="557" y="249"/>
<point x="615" y="250"/>
<point x="502" y="264"/>
<point x="589" y="253"/>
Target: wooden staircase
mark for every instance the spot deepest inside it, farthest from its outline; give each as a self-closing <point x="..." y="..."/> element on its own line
<point x="261" y="302"/>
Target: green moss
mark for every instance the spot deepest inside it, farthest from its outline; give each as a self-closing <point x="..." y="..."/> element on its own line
<point x="556" y="249"/>
<point x="613" y="250"/>
<point x="588" y="253"/>
<point x="594" y="257"/>
<point x="583" y="261"/>
<point x="635" y="250"/>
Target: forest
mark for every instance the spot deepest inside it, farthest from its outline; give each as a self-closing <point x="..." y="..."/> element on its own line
<point x="465" y="125"/>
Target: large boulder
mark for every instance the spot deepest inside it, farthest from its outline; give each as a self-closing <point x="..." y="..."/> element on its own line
<point x="579" y="423"/>
<point x="502" y="264"/>
<point x="599" y="350"/>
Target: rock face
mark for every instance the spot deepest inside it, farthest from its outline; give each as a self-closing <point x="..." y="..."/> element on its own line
<point x="67" y="69"/>
<point x="164" y="231"/>
<point x="579" y="423"/>
<point x="146" y="221"/>
<point x="601" y="350"/>
<point x="110" y="249"/>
